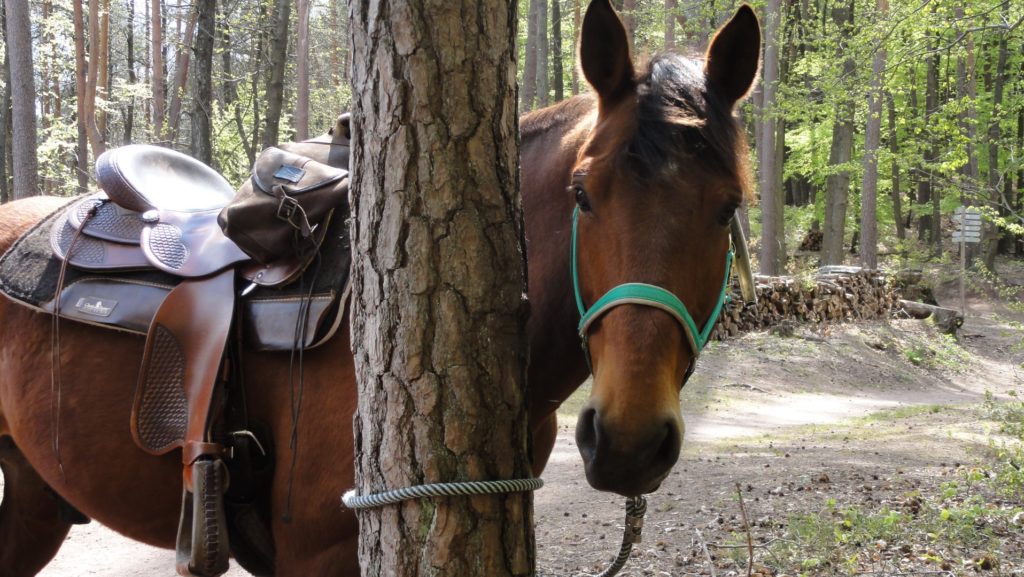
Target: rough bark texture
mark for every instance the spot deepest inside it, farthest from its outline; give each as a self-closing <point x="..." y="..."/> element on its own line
<point x="302" y="70"/>
<point x="275" y="85"/>
<point x="92" y="80"/>
<point x="872" y="143"/>
<point x="202" y="102"/>
<point x="81" y="72"/>
<point x="182" y="61"/>
<point x="542" y="55"/>
<point x="129" y="115"/>
<point x="769" y="174"/>
<point x="897" y="198"/>
<point x="23" y="100"/>
<point x="438" y="278"/>
<point x="837" y="186"/>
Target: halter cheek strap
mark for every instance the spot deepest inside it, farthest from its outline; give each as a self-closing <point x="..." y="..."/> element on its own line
<point x="645" y="295"/>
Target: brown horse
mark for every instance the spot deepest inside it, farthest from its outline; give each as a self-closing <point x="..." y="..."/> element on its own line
<point x="654" y="160"/>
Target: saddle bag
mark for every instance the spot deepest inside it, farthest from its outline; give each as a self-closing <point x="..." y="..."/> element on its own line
<point x="276" y="212"/>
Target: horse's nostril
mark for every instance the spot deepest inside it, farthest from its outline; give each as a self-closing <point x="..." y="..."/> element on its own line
<point x="671" y="443"/>
<point x="587" y="433"/>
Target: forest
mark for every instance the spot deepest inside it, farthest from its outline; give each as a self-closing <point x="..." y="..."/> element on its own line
<point x="873" y="121"/>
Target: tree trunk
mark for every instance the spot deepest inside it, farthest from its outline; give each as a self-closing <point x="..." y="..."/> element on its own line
<point x="628" y="13"/>
<point x="896" y="195"/>
<point x="302" y="70"/>
<point x="772" y="258"/>
<point x="81" y="73"/>
<point x="202" y="103"/>
<point x="275" y="84"/>
<point x="995" y="134"/>
<point x="129" y="115"/>
<point x="837" y="186"/>
<point x="575" y="36"/>
<point x="182" y="61"/>
<point x="437" y="313"/>
<point x="158" y="69"/>
<point x="872" y="143"/>
<point x="23" y="100"/>
<point x="528" y="95"/>
<point x="670" y="25"/>
<point x="931" y="156"/>
<point x="542" y="55"/>
<point x="5" y="114"/>
<point x="557" y="71"/>
<point x="103" y="79"/>
<point x="967" y="91"/>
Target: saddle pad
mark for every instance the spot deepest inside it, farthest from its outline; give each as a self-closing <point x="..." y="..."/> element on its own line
<point x="29" y="272"/>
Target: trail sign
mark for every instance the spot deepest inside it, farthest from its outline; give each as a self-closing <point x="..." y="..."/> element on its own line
<point x="968" y="231"/>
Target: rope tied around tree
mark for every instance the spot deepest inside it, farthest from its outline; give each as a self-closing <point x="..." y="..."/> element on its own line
<point x="636" y="507"/>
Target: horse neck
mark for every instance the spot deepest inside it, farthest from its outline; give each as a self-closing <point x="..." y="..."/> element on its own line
<point x="551" y="139"/>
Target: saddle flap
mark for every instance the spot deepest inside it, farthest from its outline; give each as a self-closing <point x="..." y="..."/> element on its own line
<point x="295" y="173"/>
<point x="108" y="222"/>
<point x="89" y="253"/>
<point x="189" y="244"/>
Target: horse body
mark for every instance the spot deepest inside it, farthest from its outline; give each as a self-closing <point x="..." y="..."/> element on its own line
<point x="639" y="355"/>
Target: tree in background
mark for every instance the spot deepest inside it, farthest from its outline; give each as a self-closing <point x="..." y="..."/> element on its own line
<point x="23" y="99"/>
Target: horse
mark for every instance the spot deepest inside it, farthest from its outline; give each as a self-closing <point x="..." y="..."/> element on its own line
<point x="652" y="165"/>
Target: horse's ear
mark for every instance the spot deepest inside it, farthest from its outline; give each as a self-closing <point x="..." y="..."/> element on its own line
<point x="734" y="56"/>
<point x="604" y="51"/>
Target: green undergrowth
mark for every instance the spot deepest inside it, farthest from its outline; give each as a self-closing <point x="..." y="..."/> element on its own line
<point x="973" y="523"/>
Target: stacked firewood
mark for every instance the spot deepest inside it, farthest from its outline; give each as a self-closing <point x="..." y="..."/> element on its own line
<point x="833" y="295"/>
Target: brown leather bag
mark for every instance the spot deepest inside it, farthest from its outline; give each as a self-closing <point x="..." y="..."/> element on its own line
<point x="275" y="213"/>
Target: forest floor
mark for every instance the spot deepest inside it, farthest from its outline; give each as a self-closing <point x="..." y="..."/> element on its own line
<point x="864" y="449"/>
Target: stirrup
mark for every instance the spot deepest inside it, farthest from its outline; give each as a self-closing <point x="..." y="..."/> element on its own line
<point x="202" y="547"/>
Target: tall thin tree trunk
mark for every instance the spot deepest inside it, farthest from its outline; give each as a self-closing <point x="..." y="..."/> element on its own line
<point x="894" y="149"/>
<point x="5" y="115"/>
<point x="995" y="134"/>
<point x="670" y="25"/>
<point x="129" y="115"/>
<point x="302" y="70"/>
<point x="81" y="74"/>
<point x="182" y="61"/>
<point x="575" y="35"/>
<point x="872" y="144"/>
<point x="103" y="56"/>
<point x="439" y="268"/>
<point x="23" y="99"/>
<point x="96" y="140"/>
<point x="837" y="186"/>
<point x="557" y="72"/>
<point x="543" y="97"/>
<point x="156" y="14"/>
<point x="275" y="84"/>
<point x="773" y="254"/>
<point x="528" y="94"/>
<point x="202" y="103"/>
<point x="931" y="103"/>
<point x="629" y="19"/>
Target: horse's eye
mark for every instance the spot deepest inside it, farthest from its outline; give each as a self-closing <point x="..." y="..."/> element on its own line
<point x="727" y="214"/>
<point x="581" y="198"/>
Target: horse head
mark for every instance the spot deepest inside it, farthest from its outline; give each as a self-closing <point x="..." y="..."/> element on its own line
<point x="656" y="186"/>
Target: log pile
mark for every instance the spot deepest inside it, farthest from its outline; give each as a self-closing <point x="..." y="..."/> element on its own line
<point x="833" y="295"/>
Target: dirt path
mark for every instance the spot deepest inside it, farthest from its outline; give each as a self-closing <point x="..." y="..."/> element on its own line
<point x="861" y="414"/>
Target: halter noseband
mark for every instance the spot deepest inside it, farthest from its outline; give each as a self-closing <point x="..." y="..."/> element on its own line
<point x="635" y="293"/>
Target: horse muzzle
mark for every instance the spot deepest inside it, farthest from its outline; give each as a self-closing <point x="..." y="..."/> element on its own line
<point x="628" y="460"/>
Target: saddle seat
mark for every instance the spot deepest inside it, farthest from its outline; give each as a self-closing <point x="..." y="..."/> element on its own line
<point x="143" y="177"/>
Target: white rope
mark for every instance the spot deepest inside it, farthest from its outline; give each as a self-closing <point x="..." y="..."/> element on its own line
<point x="354" y="501"/>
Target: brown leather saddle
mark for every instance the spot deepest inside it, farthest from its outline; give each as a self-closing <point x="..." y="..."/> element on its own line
<point x="147" y="255"/>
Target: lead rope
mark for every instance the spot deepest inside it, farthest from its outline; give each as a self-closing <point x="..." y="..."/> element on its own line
<point x="636" y="507"/>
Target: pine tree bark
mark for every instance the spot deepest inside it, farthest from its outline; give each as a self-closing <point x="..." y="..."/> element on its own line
<point x="202" y="102"/>
<point x="129" y="115"/>
<point x="542" y="55"/>
<point x="302" y="70"/>
<point x="576" y="21"/>
<point x="23" y="100"/>
<point x="275" y="83"/>
<point x="437" y="312"/>
<point x="772" y="257"/>
<point x="5" y="114"/>
<point x="102" y="81"/>
<point x="872" y="143"/>
<point x="837" y="185"/>
<point x="81" y="75"/>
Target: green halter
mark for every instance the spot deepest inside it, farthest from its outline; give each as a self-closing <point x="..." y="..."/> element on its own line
<point x="647" y="295"/>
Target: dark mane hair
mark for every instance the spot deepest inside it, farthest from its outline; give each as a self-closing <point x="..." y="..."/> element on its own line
<point x="676" y="116"/>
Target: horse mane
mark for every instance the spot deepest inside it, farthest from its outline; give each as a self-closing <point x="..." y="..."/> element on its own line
<point x="676" y="116"/>
<point x="568" y="111"/>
